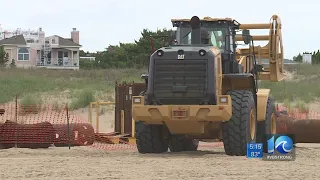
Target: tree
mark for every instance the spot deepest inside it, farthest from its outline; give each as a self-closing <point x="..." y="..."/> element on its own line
<point x="82" y="53"/>
<point x="4" y="57"/>
<point x="86" y="54"/>
<point x="298" y="58"/>
<point x="133" y="55"/>
<point x="315" y="59"/>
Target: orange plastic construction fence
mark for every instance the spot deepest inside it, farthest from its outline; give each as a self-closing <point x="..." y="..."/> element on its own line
<point x="41" y="126"/>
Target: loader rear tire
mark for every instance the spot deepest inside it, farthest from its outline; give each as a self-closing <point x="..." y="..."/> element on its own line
<point x="269" y="125"/>
<point x="178" y="143"/>
<point x="241" y="128"/>
<point x="150" y="138"/>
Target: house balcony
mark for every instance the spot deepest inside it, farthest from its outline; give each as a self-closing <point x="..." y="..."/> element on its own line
<point x="59" y="63"/>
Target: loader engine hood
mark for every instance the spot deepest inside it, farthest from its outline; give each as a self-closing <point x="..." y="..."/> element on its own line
<point x="182" y="75"/>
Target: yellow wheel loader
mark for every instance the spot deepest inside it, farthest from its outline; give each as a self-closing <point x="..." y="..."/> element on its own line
<point x="203" y="87"/>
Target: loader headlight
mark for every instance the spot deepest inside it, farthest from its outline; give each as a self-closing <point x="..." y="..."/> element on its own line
<point x="137" y="100"/>
<point x="160" y="53"/>
<point x="202" y="52"/>
<point x="223" y="99"/>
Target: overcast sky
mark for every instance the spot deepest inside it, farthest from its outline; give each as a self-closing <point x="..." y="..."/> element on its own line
<point x="104" y="22"/>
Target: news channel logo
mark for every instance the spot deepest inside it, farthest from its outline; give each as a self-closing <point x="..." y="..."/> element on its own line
<point x="280" y="147"/>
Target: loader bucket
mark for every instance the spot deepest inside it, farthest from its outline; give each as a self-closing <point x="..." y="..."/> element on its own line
<point x="270" y="55"/>
<point x="305" y="130"/>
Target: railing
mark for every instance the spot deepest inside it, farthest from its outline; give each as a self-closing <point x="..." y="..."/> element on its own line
<point x="97" y="109"/>
<point x="58" y="62"/>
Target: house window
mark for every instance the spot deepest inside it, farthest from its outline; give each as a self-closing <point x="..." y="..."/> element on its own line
<point x="23" y="54"/>
<point x="63" y="54"/>
<point x="60" y="54"/>
<point x="30" y="41"/>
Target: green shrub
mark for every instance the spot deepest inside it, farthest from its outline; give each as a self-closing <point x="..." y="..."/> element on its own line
<point x="83" y="99"/>
<point x="87" y="64"/>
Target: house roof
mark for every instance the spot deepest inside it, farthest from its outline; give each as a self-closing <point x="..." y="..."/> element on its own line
<point x="67" y="42"/>
<point x="18" y="40"/>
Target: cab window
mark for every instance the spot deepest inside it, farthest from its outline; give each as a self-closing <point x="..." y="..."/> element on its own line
<point x="216" y="39"/>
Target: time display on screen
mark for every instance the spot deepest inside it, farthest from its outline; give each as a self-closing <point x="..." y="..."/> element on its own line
<point x="254" y="150"/>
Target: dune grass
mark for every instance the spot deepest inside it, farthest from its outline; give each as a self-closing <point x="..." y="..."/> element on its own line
<point x="303" y="86"/>
<point x="84" y="86"/>
<point x="83" y="98"/>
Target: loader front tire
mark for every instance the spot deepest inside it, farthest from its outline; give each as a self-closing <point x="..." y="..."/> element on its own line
<point x="150" y="138"/>
<point x="179" y="143"/>
<point x="241" y="128"/>
<point x="269" y="125"/>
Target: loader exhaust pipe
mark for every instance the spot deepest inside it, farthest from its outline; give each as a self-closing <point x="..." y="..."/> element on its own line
<point x="199" y="35"/>
<point x="196" y="31"/>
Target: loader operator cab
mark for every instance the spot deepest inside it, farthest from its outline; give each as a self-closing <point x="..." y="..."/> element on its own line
<point x="219" y="33"/>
